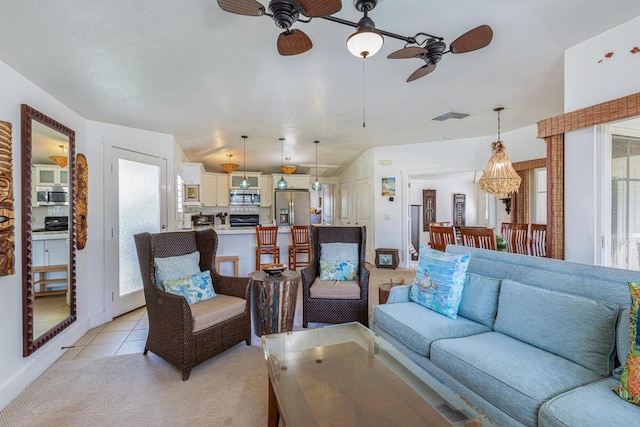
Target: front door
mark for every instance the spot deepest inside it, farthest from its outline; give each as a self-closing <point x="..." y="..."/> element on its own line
<point x="136" y="184"/>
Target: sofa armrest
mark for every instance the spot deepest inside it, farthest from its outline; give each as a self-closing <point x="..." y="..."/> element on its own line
<point x="399" y="294"/>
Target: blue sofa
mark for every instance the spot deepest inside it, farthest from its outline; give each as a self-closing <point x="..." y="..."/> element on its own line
<point x="537" y="341"/>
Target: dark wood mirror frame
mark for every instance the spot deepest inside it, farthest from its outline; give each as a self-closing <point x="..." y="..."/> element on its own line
<point x="31" y="343"/>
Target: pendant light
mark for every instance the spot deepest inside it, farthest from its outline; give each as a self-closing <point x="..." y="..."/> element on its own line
<point x="316" y="186"/>
<point x="499" y="177"/>
<point x="229" y="167"/>
<point x="62" y="160"/>
<point x="282" y="184"/>
<point x="244" y="184"/>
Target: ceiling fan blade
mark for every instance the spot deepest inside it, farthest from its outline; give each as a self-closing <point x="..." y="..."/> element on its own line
<point x="317" y="8"/>
<point x="472" y="40"/>
<point x="293" y="42"/>
<point x="407" y="52"/>
<point x="421" y="72"/>
<point x="242" y="7"/>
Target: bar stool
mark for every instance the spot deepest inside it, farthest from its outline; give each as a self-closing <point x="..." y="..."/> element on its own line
<point x="267" y="239"/>
<point x="300" y="244"/>
<point x="233" y="259"/>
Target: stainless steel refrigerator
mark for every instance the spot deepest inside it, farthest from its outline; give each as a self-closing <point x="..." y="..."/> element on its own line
<point x="292" y="207"/>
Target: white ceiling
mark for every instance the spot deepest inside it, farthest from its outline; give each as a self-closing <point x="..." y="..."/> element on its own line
<point x="206" y="76"/>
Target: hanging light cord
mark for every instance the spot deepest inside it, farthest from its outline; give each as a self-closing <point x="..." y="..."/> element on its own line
<point x="363" y="90"/>
<point x="244" y="157"/>
<point x="281" y="158"/>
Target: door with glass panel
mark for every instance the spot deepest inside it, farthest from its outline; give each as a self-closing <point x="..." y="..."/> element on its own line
<point x="625" y="202"/>
<point x="137" y="203"/>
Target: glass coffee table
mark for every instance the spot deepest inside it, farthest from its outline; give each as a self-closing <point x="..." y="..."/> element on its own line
<point x="346" y="375"/>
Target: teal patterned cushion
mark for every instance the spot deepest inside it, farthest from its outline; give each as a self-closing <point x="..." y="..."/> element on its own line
<point x="439" y="281"/>
<point x="338" y="270"/>
<point x="176" y="267"/>
<point x="194" y="288"/>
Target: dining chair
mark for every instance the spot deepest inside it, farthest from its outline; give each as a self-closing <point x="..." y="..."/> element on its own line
<point x="478" y="237"/>
<point x="267" y="244"/>
<point x="441" y="236"/>
<point x="300" y="244"/>
<point x="538" y="240"/>
<point x="517" y="237"/>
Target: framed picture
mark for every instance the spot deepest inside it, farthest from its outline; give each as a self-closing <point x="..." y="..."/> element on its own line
<point x="388" y="187"/>
<point x="459" y="209"/>
<point x="386" y="258"/>
<point x="191" y="193"/>
<point x="428" y="208"/>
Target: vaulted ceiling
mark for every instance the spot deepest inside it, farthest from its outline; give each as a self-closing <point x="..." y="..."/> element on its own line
<point x="208" y="76"/>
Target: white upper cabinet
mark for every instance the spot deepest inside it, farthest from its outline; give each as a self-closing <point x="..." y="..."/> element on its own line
<point x="192" y="173"/>
<point x="215" y="189"/>
<point x="295" y="181"/>
<point x="50" y="175"/>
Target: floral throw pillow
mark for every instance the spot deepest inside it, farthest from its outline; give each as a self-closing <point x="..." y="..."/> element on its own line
<point x="439" y="281"/>
<point x="629" y="388"/>
<point x="195" y="288"/>
<point x="338" y="270"/>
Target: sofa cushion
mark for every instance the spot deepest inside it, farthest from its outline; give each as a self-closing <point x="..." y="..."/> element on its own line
<point x="593" y="404"/>
<point x="579" y="329"/>
<point x="630" y="380"/>
<point x="216" y="310"/>
<point x="333" y="289"/>
<point x="480" y="299"/>
<point x="439" y="281"/>
<point x="416" y="326"/>
<point x="512" y="375"/>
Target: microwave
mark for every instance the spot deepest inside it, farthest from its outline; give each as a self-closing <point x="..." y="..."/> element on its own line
<point x="54" y="195"/>
<point x="244" y="197"/>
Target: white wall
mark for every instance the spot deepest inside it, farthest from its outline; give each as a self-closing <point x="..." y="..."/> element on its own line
<point x="436" y="158"/>
<point x="588" y="82"/>
<point x="17" y="372"/>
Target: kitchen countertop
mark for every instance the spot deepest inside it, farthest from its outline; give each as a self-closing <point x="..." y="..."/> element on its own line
<point x="49" y="235"/>
<point x="227" y="229"/>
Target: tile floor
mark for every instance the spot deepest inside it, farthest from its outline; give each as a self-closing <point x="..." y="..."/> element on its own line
<point x="126" y="334"/>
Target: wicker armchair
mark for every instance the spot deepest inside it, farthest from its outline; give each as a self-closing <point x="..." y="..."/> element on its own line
<point x="171" y="323"/>
<point x="331" y="310"/>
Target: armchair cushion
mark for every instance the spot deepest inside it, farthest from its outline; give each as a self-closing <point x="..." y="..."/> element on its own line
<point x="176" y="267"/>
<point x="195" y="288"/>
<point x="339" y="252"/>
<point x="334" y="289"/>
<point x="216" y="310"/>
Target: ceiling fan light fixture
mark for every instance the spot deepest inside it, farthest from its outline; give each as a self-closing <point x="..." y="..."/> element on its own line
<point x="366" y="41"/>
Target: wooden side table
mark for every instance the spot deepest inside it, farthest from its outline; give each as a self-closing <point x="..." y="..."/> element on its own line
<point x="386" y="258"/>
<point x="383" y="292"/>
<point x="274" y="301"/>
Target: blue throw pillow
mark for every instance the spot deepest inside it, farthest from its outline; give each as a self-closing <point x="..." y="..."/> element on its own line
<point x="338" y="270"/>
<point x="339" y="252"/>
<point x="195" y="288"/>
<point x="439" y="281"/>
<point x="176" y="267"/>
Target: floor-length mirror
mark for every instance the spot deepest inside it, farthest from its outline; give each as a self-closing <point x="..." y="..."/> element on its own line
<point x="48" y="231"/>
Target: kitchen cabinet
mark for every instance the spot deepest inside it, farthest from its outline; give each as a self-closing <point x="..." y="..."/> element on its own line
<point x="266" y="190"/>
<point x="50" y="175"/>
<point x="295" y="181"/>
<point x="192" y="173"/>
<point x="215" y="189"/>
<point x="236" y="177"/>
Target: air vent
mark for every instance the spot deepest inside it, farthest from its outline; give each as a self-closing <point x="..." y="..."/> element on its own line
<point x="450" y="115"/>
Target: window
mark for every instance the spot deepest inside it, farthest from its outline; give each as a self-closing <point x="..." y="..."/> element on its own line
<point x="539" y="196"/>
<point x="625" y="202"/>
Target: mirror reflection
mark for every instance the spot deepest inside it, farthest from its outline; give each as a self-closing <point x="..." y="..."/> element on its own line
<point x="49" y="293"/>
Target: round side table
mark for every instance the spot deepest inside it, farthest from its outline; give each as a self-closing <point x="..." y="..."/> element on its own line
<point x="383" y="292"/>
<point x="274" y="301"/>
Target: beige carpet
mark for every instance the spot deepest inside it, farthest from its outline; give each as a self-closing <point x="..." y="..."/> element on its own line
<point x="137" y="390"/>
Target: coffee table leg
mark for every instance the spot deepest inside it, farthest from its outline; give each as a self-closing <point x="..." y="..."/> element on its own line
<point x="274" y="413"/>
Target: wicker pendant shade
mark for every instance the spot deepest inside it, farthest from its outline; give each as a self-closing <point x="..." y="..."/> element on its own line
<point x="499" y="177"/>
<point x="229" y="167"/>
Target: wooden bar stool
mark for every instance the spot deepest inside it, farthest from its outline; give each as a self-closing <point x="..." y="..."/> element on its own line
<point x="300" y="244"/>
<point x="43" y="280"/>
<point x="233" y="259"/>
<point x="267" y="239"/>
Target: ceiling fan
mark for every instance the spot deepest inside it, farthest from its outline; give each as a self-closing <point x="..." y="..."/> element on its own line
<point x="366" y="41"/>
